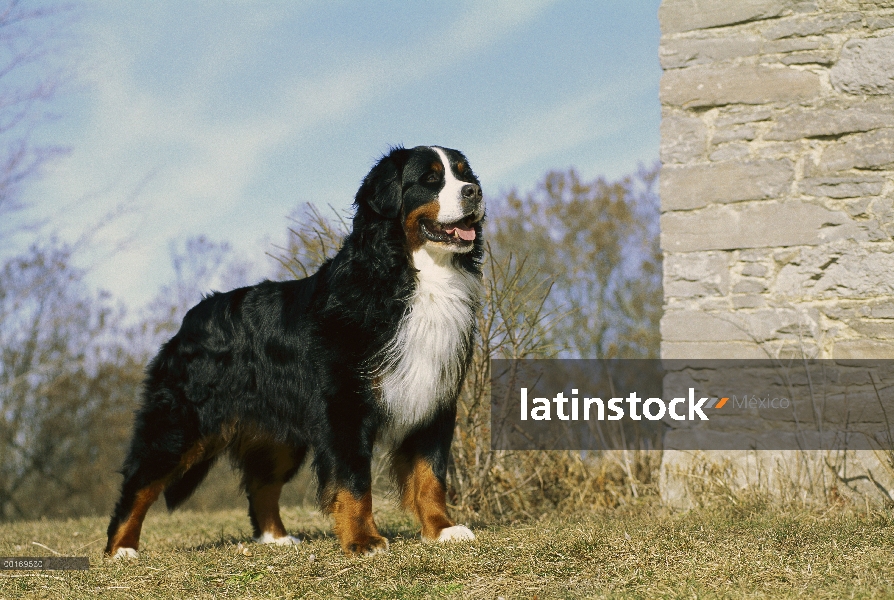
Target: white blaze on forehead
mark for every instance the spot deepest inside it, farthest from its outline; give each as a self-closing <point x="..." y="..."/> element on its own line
<point x="450" y="197"/>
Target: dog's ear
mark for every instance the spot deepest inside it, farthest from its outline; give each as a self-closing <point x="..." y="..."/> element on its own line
<point x="382" y="187"/>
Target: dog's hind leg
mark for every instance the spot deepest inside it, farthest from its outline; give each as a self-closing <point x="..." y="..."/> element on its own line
<point x="148" y="470"/>
<point x="127" y="520"/>
<point x="266" y="467"/>
<point x="180" y="489"/>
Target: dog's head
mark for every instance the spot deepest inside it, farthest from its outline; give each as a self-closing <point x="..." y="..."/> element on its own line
<point x="433" y="191"/>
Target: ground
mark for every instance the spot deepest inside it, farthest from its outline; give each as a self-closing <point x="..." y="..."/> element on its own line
<point x="737" y="550"/>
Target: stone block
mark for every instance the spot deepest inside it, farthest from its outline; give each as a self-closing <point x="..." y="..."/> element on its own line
<point x="844" y="270"/>
<point x="684" y="188"/>
<point x="688" y="289"/>
<point x="733" y="134"/>
<point x="754" y="255"/>
<point x="755" y="225"/>
<point x="754" y="269"/>
<point x="882" y="309"/>
<point x="856" y="186"/>
<point x="685" y="52"/>
<point x="831" y="121"/>
<point x="845" y="310"/>
<point x="697" y="326"/>
<point x="773" y="150"/>
<point x="683" y="138"/>
<point x="695" y="266"/>
<point x="870" y="150"/>
<point x="865" y="67"/>
<point x="882" y="209"/>
<point x="750" y="286"/>
<point x="858" y="207"/>
<point x="739" y="115"/>
<point x="758" y="327"/>
<point x="819" y="57"/>
<point x="792" y="45"/>
<point x="802" y="26"/>
<point x="885" y="22"/>
<point x="705" y="86"/>
<point x="677" y="16"/>
<point x="748" y="301"/>
<point x="729" y="152"/>
<point x="857" y="349"/>
<point x="696" y="274"/>
<point x="874" y="329"/>
<point x="711" y="350"/>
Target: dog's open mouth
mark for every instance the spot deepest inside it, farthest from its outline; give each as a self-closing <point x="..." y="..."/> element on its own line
<point x="460" y="232"/>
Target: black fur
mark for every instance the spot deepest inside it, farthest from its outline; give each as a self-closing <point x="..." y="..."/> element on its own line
<point x="288" y="364"/>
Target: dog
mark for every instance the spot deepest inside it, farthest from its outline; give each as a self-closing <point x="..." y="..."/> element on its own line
<point x="372" y="347"/>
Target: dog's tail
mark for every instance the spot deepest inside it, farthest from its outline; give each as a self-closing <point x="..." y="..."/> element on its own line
<point x="179" y="490"/>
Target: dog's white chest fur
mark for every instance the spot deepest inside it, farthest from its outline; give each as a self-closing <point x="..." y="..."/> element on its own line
<point x="424" y="362"/>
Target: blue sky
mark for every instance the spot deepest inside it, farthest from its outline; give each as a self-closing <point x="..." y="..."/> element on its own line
<point x="220" y="118"/>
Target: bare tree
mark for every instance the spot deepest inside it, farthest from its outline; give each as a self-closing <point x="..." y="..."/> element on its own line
<point x="312" y="238"/>
<point x="598" y="241"/>
<point x="31" y="36"/>
<point x="68" y="384"/>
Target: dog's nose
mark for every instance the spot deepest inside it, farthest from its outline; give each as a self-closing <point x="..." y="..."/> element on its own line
<point x="471" y="192"/>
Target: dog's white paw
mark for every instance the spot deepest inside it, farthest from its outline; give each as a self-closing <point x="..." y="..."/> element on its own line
<point x="123" y="553"/>
<point x="457" y="533"/>
<point x="286" y="540"/>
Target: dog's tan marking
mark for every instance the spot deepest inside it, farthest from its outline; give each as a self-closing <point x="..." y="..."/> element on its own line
<point x="204" y="448"/>
<point x="128" y="533"/>
<point x="264" y="495"/>
<point x="412" y="226"/>
<point x="423" y="494"/>
<point x="265" y="505"/>
<point x="354" y="524"/>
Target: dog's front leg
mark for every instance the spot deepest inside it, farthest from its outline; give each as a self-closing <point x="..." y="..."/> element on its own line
<point x="344" y="475"/>
<point x="420" y="470"/>
<point x="354" y="524"/>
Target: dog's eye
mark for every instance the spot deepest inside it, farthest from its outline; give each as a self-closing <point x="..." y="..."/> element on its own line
<point x="433" y="177"/>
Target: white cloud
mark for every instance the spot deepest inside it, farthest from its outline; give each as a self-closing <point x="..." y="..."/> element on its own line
<point x="595" y="115"/>
<point x="184" y="161"/>
<point x="370" y="78"/>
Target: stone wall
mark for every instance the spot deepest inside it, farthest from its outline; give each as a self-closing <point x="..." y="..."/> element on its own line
<point x="777" y="182"/>
<point x="777" y="186"/>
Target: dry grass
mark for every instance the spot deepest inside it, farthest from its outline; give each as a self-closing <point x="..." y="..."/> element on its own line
<point x="749" y="550"/>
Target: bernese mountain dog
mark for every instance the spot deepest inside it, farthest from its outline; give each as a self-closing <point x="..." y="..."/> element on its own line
<point x="372" y="347"/>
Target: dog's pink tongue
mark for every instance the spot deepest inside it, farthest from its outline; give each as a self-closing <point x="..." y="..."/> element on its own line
<point x="465" y="233"/>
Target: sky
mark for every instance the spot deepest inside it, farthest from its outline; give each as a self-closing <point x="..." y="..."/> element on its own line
<point x="222" y="118"/>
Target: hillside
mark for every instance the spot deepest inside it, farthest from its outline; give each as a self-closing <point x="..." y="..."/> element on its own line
<point x="643" y="551"/>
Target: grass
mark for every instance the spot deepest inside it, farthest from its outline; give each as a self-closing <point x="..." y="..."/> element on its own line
<point x="641" y="551"/>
